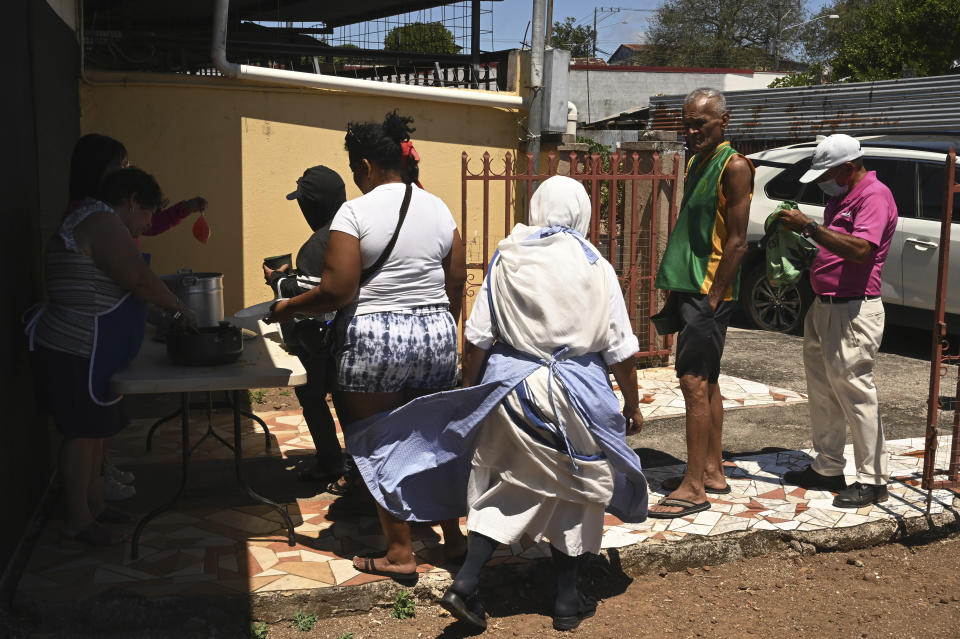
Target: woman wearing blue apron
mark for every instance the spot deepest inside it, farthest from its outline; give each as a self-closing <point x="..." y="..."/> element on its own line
<point x="98" y="286"/>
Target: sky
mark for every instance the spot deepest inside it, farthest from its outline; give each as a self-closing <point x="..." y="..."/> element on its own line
<point x="511" y="17"/>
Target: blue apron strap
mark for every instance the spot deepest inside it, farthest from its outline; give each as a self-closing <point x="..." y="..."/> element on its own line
<point x="30" y="330"/>
<point x="493" y="314"/>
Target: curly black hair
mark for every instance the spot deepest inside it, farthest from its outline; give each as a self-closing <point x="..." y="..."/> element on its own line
<point x="380" y="144"/>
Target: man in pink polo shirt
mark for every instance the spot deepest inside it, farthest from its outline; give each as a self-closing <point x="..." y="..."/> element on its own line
<point x="844" y="326"/>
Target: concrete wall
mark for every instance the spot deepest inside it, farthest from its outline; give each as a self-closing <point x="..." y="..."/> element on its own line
<point x="243" y="146"/>
<point x="40" y="113"/>
<point x="610" y="138"/>
<point x="615" y="89"/>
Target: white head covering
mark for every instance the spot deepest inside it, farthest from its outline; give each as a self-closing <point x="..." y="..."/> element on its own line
<point x="561" y="201"/>
<point x="546" y="292"/>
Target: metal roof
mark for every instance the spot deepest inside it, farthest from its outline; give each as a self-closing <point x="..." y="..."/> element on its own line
<point x="914" y="105"/>
<point x="332" y="14"/>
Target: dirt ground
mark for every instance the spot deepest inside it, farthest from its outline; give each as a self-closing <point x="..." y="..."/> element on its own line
<point x="888" y="591"/>
<point x="273" y="399"/>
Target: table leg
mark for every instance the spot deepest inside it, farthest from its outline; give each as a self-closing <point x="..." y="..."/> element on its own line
<point x="210" y="432"/>
<point x="157" y="425"/>
<point x="234" y="402"/>
<point x="238" y="455"/>
<point x="185" y="448"/>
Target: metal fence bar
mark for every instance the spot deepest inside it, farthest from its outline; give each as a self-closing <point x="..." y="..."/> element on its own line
<point x="634" y="269"/>
<point x="938" y="358"/>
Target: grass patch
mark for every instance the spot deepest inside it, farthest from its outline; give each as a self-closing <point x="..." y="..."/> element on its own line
<point x="304" y="622"/>
<point x="403" y="606"/>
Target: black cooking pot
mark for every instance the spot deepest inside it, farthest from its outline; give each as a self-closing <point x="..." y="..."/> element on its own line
<point x="205" y="346"/>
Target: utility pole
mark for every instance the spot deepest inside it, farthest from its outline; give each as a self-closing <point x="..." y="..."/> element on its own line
<point x="776" y="42"/>
<point x="594" y="33"/>
<point x="549" y="39"/>
<point x="535" y="117"/>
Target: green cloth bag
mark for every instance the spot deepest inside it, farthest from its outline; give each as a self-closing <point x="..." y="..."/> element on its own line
<point x="788" y="253"/>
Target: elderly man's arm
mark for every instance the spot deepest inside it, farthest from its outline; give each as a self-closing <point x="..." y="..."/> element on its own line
<point x="737" y="186"/>
<point x="849" y="247"/>
<point x="474" y="359"/>
<point x="625" y="373"/>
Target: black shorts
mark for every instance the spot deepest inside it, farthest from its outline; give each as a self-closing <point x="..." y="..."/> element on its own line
<point x="700" y="342"/>
<point x="63" y="392"/>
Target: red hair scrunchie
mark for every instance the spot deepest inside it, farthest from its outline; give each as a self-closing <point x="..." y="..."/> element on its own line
<point x="407" y="151"/>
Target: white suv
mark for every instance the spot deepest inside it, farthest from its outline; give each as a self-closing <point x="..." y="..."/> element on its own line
<point x="913" y="168"/>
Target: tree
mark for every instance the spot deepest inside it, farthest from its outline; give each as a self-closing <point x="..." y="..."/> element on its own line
<point x="421" y="37"/>
<point x="578" y="40"/>
<point x="879" y="39"/>
<point x="721" y="33"/>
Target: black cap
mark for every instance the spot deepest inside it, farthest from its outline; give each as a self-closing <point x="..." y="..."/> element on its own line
<point x="320" y="193"/>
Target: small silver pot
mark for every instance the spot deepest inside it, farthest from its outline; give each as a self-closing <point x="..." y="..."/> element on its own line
<point x="201" y="292"/>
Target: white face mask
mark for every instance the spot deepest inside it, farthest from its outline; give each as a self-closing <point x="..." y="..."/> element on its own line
<point x="831" y="188"/>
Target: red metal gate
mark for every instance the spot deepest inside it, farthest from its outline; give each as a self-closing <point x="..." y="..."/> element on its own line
<point x="938" y="357"/>
<point x="628" y="222"/>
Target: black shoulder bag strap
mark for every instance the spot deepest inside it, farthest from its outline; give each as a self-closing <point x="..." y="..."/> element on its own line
<point x="366" y="274"/>
<point x="371" y="270"/>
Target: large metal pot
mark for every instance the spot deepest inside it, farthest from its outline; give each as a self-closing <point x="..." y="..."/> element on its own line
<point x="201" y="292"/>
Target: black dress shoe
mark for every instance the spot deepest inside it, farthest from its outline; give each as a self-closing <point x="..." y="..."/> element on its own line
<point x="858" y="495"/>
<point x="586" y="608"/>
<point x="812" y="480"/>
<point x="466" y="609"/>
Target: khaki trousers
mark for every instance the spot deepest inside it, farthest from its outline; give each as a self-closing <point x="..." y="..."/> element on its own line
<point x="840" y="344"/>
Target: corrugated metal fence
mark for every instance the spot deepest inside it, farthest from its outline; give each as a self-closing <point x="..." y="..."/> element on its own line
<point x="913" y="105"/>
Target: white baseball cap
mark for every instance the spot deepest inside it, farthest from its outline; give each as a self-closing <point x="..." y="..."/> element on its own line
<point x="832" y="151"/>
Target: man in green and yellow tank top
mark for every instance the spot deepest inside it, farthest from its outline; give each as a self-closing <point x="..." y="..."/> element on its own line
<point x="701" y="271"/>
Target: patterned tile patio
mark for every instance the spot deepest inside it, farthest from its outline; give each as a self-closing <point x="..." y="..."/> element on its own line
<point x="241" y="549"/>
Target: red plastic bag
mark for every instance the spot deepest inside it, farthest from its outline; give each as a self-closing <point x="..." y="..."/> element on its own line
<point x="201" y="230"/>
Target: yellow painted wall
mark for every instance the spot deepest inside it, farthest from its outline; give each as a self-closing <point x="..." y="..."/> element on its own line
<point x="243" y="146"/>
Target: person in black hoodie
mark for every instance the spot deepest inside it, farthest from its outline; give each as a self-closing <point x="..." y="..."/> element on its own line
<point x="320" y="193"/>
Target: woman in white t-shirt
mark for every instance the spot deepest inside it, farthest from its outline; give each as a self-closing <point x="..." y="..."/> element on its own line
<point x="396" y="329"/>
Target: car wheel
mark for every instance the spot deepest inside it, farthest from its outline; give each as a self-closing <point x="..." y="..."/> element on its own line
<point x="774" y="308"/>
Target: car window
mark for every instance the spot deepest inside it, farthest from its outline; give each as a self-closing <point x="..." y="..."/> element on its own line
<point x="898" y="175"/>
<point x="930" y="178"/>
<point x="787" y="186"/>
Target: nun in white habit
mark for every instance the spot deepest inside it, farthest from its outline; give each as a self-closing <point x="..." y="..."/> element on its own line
<point x="537" y="469"/>
<point x="537" y="446"/>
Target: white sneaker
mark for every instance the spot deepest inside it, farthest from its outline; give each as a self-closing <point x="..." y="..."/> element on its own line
<point x="115" y="491"/>
<point x="114" y="473"/>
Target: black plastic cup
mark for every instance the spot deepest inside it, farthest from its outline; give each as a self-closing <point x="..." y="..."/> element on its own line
<point x="277" y="261"/>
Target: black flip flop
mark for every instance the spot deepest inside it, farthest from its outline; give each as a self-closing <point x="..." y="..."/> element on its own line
<point x="468" y="610"/>
<point x="585" y="609"/>
<point x="367" y="566"/>
<point x="672" y="483"/>
<point x="688" y="508"/>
